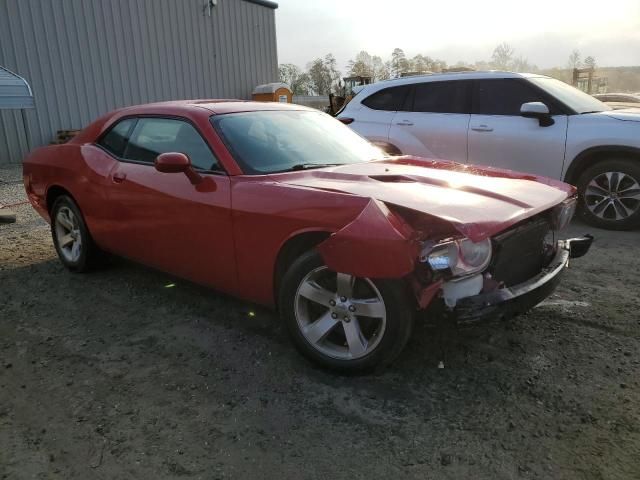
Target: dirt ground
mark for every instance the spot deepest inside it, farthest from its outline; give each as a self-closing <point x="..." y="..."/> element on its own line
<point x="118" y="374"/>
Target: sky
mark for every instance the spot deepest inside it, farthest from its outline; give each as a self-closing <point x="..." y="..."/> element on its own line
<point x="543" y="31"/>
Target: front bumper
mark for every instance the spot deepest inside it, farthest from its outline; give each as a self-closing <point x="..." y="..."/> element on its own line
<point x="509" y="302"/>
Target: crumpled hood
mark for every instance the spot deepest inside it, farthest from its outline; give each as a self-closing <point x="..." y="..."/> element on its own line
<point x="627" y="114"/>
<point x="478" y="201"/>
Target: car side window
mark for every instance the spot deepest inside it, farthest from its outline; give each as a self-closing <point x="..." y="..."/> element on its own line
<point x="505" y="97"/>
<point x="442" y="97"/>
<point x="153" y="136"/>
<point x="115" y="140"/>
<point x="390" y="99"/>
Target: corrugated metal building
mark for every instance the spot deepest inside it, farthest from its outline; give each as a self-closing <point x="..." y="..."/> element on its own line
<point x="83" y="58"/>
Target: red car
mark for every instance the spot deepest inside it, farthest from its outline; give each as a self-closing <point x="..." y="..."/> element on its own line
<point x="285" y="206"/>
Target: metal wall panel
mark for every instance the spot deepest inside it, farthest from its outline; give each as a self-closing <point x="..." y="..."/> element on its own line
<point x="84" y="58"/>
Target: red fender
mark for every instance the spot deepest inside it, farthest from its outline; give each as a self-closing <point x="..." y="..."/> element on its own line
<point x="377" y="244"/>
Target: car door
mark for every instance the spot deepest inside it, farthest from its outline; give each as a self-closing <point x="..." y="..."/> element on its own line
<point x="162" y="219"/>
<point x="500" y="137"/>
<point x="435" y="122"/>
<point x="373" y="119"/>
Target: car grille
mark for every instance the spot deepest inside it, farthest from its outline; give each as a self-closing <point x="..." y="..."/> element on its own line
<point x="520" y="253"/>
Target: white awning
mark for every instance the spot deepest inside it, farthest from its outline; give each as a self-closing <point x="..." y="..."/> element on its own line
<point x="15" y="92"/>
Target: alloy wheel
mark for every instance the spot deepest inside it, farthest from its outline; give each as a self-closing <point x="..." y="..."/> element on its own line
<point x="341" y="316"/>
<point x="613" y="196"/>
<point x="68" y="235"/>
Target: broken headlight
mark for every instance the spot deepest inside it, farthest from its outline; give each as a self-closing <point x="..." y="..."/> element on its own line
<point x="562" y="214"/>
<point x="461" y="257"/>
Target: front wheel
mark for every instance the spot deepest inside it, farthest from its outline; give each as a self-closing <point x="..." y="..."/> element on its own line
<point x="344" y="322"/>
<point x="610" y="194"/>
<point x="71" y="236"/>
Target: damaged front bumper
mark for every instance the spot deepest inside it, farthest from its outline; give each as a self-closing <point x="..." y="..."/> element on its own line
<point x="511" y="301"/>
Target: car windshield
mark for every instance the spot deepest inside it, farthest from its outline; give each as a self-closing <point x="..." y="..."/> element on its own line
<point x="279" y="141"/>
<point x="572" y="97"/>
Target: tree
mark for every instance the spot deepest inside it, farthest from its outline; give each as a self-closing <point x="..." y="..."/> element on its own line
<point x="381" y="70"/>
<point x="590" y="62"/>
<point x="521" y="64"/>
<point x="435" y="65"/>
<point x="362" y="65"/>
<point x="365" y="65"/>
<point x="288" y="72"/>
<point x="421" y="64"/>
<point x="574" y="60"/>
<point x="502" y="57"/>
<point x="399" y="63"/>
<point x="323" y="75"/>
<point x="293" y="76"/>
<point x="482" y="65"/>
<point x="302" y="85"/>
<point x="320" y="79"/>
<point x="332" y="66"/>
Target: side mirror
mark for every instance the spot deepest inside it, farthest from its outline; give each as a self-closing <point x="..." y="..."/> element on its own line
<point x="174" y="162"/>
<point x="537" y="110"/>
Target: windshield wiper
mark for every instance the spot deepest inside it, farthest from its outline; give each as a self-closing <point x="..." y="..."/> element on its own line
<point x="306" y="166"/>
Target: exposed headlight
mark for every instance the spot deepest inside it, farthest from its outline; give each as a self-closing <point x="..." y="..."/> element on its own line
<point x="563" y="213"/>
<point x="461" y="257"/>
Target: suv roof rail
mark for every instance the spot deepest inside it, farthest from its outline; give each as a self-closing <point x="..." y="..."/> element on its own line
<point x="457" y="72"/>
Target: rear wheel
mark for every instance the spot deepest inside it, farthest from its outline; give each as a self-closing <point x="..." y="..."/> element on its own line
<point x="71" y="237"/>
<point x="341" y="321"/>
<point x="610" y="194"/>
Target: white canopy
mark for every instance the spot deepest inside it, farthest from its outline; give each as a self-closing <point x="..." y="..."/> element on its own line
<point x="15" y="92"/>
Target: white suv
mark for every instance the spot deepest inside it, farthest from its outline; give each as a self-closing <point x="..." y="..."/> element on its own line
<point x="524" y="122"/>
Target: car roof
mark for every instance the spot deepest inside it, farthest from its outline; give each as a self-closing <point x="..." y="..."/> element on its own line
<point x="435" y="77"/>
<point x="199" y="108"/>
<point x="212" y="106"/>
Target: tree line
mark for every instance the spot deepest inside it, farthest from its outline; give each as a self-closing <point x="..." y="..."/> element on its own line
<point x="322" y="75"/>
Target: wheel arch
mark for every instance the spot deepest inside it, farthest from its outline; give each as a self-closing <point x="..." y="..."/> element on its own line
<point x="290" y="250"/>
<point x="592" y="155"/>
<point x="53" y="193"/>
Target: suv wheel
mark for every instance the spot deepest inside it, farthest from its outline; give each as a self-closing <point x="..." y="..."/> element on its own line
<point x="610" y="194"/>
<point x="344" y="322"/>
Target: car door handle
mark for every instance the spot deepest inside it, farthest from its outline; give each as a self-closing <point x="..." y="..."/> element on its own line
<point x="404" y="123"/>
<point x="119" y="177"/>
<point x="482" y="128"/>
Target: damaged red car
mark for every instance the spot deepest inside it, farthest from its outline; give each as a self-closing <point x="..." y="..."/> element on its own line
<point x="285" y="206"/>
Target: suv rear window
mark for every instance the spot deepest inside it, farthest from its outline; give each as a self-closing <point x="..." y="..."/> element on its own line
<point x="390" y="99"/>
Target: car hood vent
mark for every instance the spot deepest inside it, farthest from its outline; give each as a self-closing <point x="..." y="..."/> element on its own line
<point x="392" y="178"/>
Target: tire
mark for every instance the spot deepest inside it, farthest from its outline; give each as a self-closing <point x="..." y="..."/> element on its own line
<point x="68" y="225"/>
<point x="385" y="327"/>
<point x="595" y="186"/>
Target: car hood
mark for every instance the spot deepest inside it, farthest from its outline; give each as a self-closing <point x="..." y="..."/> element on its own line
<point x="627" y="114"/>
<point x="478" y="201"/>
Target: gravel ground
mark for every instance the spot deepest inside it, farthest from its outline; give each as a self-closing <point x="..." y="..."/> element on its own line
<point x="116" y="375"/>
